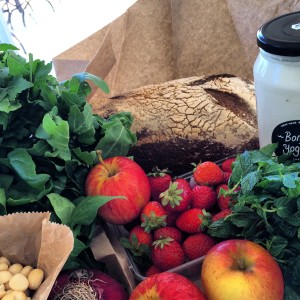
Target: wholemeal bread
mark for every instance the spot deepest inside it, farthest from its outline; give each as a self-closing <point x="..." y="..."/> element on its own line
<point x="189" y="120"/>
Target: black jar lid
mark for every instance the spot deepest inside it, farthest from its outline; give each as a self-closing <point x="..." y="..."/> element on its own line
<point x="281" y="36"/>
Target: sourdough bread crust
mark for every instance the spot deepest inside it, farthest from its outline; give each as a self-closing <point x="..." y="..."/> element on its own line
<point x="189" y="120"/>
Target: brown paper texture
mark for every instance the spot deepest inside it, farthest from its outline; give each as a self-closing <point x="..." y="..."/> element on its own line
<point x="31" y="239"/>
<point x="107" y="249"/>
<point x="160" y="40"/>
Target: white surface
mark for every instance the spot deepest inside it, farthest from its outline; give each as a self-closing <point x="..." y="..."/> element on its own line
<point x="49" y="33"/>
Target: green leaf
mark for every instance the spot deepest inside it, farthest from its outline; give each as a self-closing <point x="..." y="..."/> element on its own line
<point x="95" y="79"/>
<point x="5" y="47"/>
<point x="63" y="207"/>
<point x="56" y="132"/>
<point x="285" y="206"/>
<point x="116" y="140"/>
<point x="87" y="157"/>
<point x="249" y="181"/>
<point x="80" y="122"/>
<point x="86" y="211"/>
<point x="2" y="202"/>
<point x="24" y="166"/>
<point x="16" y="66"/>
<point x="78" y="247"/>
<point x="16" y="86"/>
<point x="278" y="244"/>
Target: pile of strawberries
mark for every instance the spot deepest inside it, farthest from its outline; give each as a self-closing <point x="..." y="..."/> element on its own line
<point x="172" y="226"/>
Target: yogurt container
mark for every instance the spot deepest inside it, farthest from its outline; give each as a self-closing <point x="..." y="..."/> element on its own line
<point x="277" y="84"/>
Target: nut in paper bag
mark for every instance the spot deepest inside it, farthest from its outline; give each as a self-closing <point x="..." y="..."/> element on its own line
<point x="31" y="239"/>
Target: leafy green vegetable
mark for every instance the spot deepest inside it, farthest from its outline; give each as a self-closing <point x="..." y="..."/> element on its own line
<point x="266" y="191"/>
<point x="48" y="141"/>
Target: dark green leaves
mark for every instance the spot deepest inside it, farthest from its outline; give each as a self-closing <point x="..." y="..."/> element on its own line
<point x="267" y="209"/>
<point x="48" y="141"/>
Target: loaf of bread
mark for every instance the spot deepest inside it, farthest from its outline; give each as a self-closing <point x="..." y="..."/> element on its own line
<point x="189" y="120"/>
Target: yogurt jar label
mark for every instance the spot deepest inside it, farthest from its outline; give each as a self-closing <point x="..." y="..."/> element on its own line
<point x="287" y="135"/>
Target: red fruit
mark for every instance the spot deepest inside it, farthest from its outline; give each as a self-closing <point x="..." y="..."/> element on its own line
<point x="204" y="197"/>
<point x="167" y="286"/>
<point x="208" y="173"/>
<point x="171" y="217"/>
<point x="178" y="196"/>
<point x="226" y="165"/>
<point x="193" y="220"/>
<point x="197" y="245"/>
<point x="221" y="215"/>
<point x="167" y="254"/>
<point x="141" y="235"/>
<point x="168" y="231"/>
<point x="226" y="176"/>
<point x="138" y="242"/>
<point x="159" y="182"/>
<point x="152" y="271"/>
<point x="153" y="216"/>
<point x="222" y="200"/>
<point x="119" y="176"/>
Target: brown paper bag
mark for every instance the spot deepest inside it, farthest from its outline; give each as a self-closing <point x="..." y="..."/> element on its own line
<point x="31" y="239"/>
<point x="160" y="40"/>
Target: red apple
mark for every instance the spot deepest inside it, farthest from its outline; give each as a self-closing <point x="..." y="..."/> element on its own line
<point x="241" y="269"/>
<point x="167" y="286"/>
<point x="119" y="176"/>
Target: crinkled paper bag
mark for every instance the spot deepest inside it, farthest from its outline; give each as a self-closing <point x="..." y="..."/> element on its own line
<point x="31" y="239"/>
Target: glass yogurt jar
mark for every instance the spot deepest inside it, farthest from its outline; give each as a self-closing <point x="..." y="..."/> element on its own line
<point x="277" y="84"/>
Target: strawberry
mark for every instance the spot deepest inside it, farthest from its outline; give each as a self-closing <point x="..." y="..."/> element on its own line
<point x="208" y="173"/>
<point x="138" y="242"/>
<point x="197" y="245"/>
<point x="227" y="164"/>
<point x="178" y="196"/>
<point x="226" y="177"/>
<point x="222" y="200"/>
<point x="168" y="231"/>
<point x="152" y="270"/>
<point x="140" y="235"/>
<point x="171" y="217"/>
<point x="193" y="220"/>
<point x="153" y="216"/>
<point x="167" y="254"/>
<point x="221" y="214"/>
<point x="204" y="197"/>
<point x="159" y="182"/>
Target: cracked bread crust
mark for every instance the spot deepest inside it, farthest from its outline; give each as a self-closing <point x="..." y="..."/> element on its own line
<point x="188" y="120"/>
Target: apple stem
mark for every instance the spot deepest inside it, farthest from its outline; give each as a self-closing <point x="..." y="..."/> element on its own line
<point x="242" y="264"/>
<point x="99" y="154"/>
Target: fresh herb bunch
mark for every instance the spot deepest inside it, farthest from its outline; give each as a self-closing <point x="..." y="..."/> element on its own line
<point x="266" y="191"/>
<point x="48" y="141"/>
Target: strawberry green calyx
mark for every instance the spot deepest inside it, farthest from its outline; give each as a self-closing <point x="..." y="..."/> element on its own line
<point x="162" y="242"/>
<point x="206" y="219"/>
<point x="156" y="172"/>
<point x="153" y="221"/>
<point x="172" y="195"/>
<point x="134" y="246"/>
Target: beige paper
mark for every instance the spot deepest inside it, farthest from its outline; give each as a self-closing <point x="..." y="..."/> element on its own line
<point x="160" y="40"/>
<point x="31" y="239"/>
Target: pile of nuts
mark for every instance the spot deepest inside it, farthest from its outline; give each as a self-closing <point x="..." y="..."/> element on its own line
<point x="17" y="282"/>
